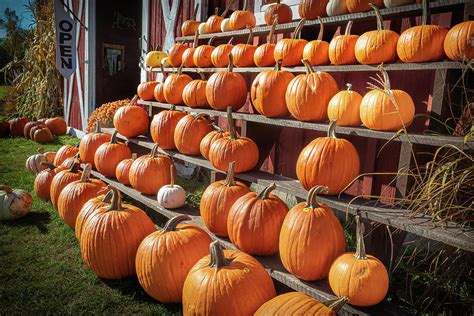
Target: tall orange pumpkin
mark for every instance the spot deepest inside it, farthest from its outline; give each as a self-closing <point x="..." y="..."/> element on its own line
<point x="131" y="120"/>
<point x="174" y="85"/>
<point x="317" y="51"/>
<point x="423" y="42"/>
<point x="342" y="48"/>
<point x="213" y="23"/>
<point x="109" y="155"/>
<point x="239" y="283"/>
<point x="66" y="151"/>
<point x="226" y="88"/>
<point x="90" y="142"/>
<point x="277" y="10"/>
<point x="189" y="27"/>
<point x="268" y="91"/>
<point x="75" y="194"/>
<point x="217" y="200"/>
<point x="344" y="107"/>
<point x="298" y="303"/>
<point x="163" y="125"/>
<point x="158" y="92"/>
<point x="165" y="257"/>
<point x="458" y="42"/>
<point x="308" y="95"/>
<point x="210" y="138"/>
<point x="290" y="50"/>
<point x="149" y="173"/>
<point x="123" y="169"/>
<point x="243" y="53"/>
<point x="355" y="6"/>
<point x="220" y="54"/>
<point x="353" y="273"/>
<point x="175" y="55"/>
<point x="145" y="90"/>
<point x="311" y="9"/>
<point x="241" y="19"/>
<point x="254" y="222"/>
<point x="189" y="133"/>
<point x="264" y="54"/>
<point x="311" y="238"/>
<point x="110" y="239"/>
<point x="91" y="208"/>
<point x="187" y="59"/>
<point x="61" y="179"/>
<point x="386" y="109"/>
<point x="328" y="161"/>
<point x="202" y="54"/>
<point x="242" y="150"/>
<point x="194" y="94"/>
<point x="43" y="179"/>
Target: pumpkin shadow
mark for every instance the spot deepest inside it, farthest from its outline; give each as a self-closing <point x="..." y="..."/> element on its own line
<point x="35" y="218"/>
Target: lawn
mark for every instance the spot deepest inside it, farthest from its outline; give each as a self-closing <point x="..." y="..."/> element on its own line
<point x="41" y="266"/>
<point x="3" y="92"/>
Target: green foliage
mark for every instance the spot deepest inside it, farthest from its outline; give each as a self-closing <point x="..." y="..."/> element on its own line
<point x="3" y="92"/>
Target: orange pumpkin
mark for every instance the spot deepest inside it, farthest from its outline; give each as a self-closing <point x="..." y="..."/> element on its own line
<point x="202" y="54"/>
<point x="189" y="27"/>
<point x="43" y="179"/>
<point x="311" y="228"/>
<point x="42" y="135"/>
<point x="342" y="48"/>
<point x="386" y="109"/>
<point x="317" y="51"/>
<point x="217" y="200"/>
<point x="189" y="133"/>
<point x="263" y="56"/>
<point x="277" y="10"/>
<point x="90" y="142"/>
<point x="174" y="85"/>
<point x="175" y="55"/>
<point x="213" y="23"/>
<point x="423" y="42"/>
<point x="242" y="150"/>
<point x="344" y="107"/>
<point x="226" y="88"/>
<point x="63" y="153"/>
<point x="61" y="179"/>
<point x="328" y="161"/>
<point x="145" y="90"/>
<point x="57" y="125"/>
<point x="243" y="53"/>
<point x="268" y="91"/>
<point x="353" y="273"/>
<point x="158" y="92"/>
<point x="194" y="94"/>
<point x="458" y="42"/>
<point x="210" y="138"/>
<point x="109" y="155"/>
<point x="220" y="54"/>
<point x="308" y="95"/>
<point x="69" y="161"/>
<point x="89" y="209"/>
<point x="17" y="126"/>
<point x="239" y="283"/>
<point x="355" y="6"/>
<point x="131" y="120"/>
<point x="298" y="303"/>
<point x="149" y="173"/>
<point x="123" y="169"/>
<point x="291" y="50"/>
<point x="163" y="125"/>
<point x="255" y="220"/>
<point x="241" y="19"/>
<point x="165" y="257"/>
<point x="311" y="9"/>
<point x="188" y="60"/>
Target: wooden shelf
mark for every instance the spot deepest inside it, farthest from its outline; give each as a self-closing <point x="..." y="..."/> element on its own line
<point x="404" y="11"/>
<point x="317" y="289"/>
<point x="414" y="138"/>
<point x="402" y="219"/>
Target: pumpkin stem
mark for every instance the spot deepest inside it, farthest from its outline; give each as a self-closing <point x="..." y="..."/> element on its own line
<point x="378" y="16"/>
<point x="425" y="18"/>
<point x="299" y="27"/>
<point x="250" y="38"/>
<point x="230" y="121"/>
<point x="349" y="86"/>
<point x="348" y="28"/>
<point x="199" y="115"/>
<point x="154" y="150"/>
<point x="332" y="129"/>
<point x="229" y="179"/>
<point x="244" y="8"/>
<point x="226" y="10"/>
<point x="113" y="139"/>
<point x="170" y="225"/>
<point x="134" y="156"/>
<point x="231" y="63"/>
<point x="309" y="68"/>
<point x="172" y="107"/>
<point x="172" y="167"/>
<point x="230" y="41"/>
<point x="265" y="192"/>
<point x="360" y="246"/>
<point x="272" y="29"/>
<point x="216" y="11"/>
<point x="6" y="188"/>
<point x="180" y="69"/>
<point x="278" y="64"/>
<point x="116" y="202"/>
<point x="312" y="194"/>
<point x="86" y="173"/>
<point x="336" y="304"/>
<point x="75" y="167"/>
<point x="97" y="127"/>
<point x="163" y="72"/>
<point x="217" y="128"/>
<point x="133" y="100"/>
<point x="157" y="47"/>
<point x="201" y="74"/>
<point x="48" y="164"/>
<point x="40" y="150"/>
<point x="218" y="259"/>
<point x="211" y="40"/>
<point x="321" y="29"/>
<point x="196" y="39"/>
<point x="108" y="197"/>
<point x="195" y="12"/>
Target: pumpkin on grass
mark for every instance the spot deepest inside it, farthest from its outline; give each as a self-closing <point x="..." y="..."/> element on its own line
<point x="202" y="54"/>
<point x="317" y="51"/>
<point x="171" y="196"/>
<point x="220" y="54"/>
<point x="174" y="85"/>
<point x="91" y="208"/>
<point x="226" y="88"/>
<point x="149" y="173"/>
<point x="33" y="163"/>
<point x="277" y="10"/>
<point x="384" y="108"/>
<point x="63" y="153"/>
<point x="311" y="228"/>
<point x="353" y="273"/>
<point x="290" y="50"/>
<point x="43" y="179"/>
<point x="165" y="257"/>
<point x="238" y="282"/>
<point x="268" y="91"/>
<point x="28" y="127"/>
<point x="14" y="204"/>
<point x="42" y="135"/>
<point x="194" y="93"/>
<point x="189" y="133"/>
<point x="458" y="42"/>
<point x="163" y="125"/>
<point x="308" y="95"/>
<point x="328" y="161"/>
<point x="243" y="53"/>
<point x="63" y="178"/>
<point x="145" y="90"/>
<point x="109" y="155"/>
<point x="342" y="48"/>
<point x="213" y="23"/>
<point x="242" y="150"/>
<point x="76" y="194"/>
<point x="355" y="6"/>
<point x="57" y="125"/>
<point x="175" y="55"/>
<point x="34" y="128"/>
<point x="110" y="239"/>
<point x="123" y="169"/>
<point x="207" y="141"/>
<point x="131" y="120"/>
<point x="17" y="126"/>
<point x="188" y="60"/>
<point x="422" y="43"/>
<point x="241" y="19"/>
<point x="264" y="54"/>
<point x="255" y="220"/>
<point x="344" y="107"/>
<point x="298" y="303"/>
<point x="217" y="200"/>
<point x="189" y="27"/>
<point x="90" y="142"/>
<point x="311" y="9"/>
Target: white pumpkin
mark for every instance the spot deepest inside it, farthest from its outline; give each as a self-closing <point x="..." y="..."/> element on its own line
<point x="14" y="203"/>
<point x="336" y="7"/>
<point x="33" y="163"/>
<point x="202" y="29"/>
<point x="225" y="25"/>
<point x="397" y="3"/>
<point x="165" y="62"/>
<point x="172" y="195"/>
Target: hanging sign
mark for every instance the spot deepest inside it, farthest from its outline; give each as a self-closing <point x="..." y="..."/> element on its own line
<point x="65" y="40"/>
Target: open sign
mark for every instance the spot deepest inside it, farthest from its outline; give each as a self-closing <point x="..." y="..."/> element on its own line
<point x="65" y="41"/>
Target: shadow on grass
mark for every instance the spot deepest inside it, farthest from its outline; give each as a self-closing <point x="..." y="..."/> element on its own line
<point x="35" y="218"/>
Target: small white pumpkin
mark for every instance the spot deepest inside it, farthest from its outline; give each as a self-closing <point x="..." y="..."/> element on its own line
<point x="202" y="29"/>
<point x="336" y="7"/>
<point x="397" y="3"/>
<point x="33" y="163"/>
<point x="171" y="196"/>
<point x="14" y="203"/>
<point x="225" y="25"/>
<point x="165" y="62"/>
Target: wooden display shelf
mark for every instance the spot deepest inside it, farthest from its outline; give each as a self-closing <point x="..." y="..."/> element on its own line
<point x="331" y="68"/>
<point x="414" y="138"/>
<point x="420" y="225"/>
<point x="405" y="11"/>
<point x="317" y="289"/>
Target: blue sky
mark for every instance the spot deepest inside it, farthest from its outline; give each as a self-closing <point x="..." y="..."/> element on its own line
<point x="21" y="11"/>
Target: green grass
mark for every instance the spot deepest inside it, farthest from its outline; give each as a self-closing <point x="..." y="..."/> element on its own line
<point x="3" y="92"/>
<point x="41" y="269"/>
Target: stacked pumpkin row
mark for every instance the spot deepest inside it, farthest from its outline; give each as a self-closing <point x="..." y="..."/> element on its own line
<point x="41" y="131"/>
